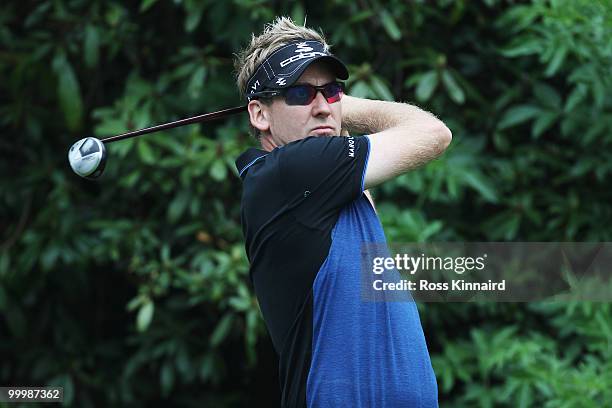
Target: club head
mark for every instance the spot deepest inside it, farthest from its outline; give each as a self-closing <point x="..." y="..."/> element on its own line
<point x="87" y="157"/>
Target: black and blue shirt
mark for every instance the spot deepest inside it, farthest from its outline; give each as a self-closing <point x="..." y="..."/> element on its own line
<point x="304" y="218"/>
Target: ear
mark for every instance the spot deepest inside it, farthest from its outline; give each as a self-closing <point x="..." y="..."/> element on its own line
<point x="259" y="115"/>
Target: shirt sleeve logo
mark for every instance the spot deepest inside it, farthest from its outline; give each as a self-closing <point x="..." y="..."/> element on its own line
<point x="351" y="146"/>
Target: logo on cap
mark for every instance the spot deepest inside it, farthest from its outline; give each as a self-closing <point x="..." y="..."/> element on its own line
<point x="303" y="47"/>
<point x="303" y="51"/>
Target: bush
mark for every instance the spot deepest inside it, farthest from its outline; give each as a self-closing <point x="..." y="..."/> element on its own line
<point x="134" y="289"/>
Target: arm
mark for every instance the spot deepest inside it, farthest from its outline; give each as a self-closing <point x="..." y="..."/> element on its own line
<point x="402" y="136"/>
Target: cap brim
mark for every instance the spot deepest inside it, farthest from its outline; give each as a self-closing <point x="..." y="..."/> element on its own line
<point x="337" y="67"/>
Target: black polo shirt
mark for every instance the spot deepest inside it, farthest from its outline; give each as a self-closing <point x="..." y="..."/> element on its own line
<point x="304" y="217"/>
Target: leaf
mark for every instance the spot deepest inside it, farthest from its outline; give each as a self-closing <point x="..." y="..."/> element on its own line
<point x="166" y="378"/>
<point x="503" y="226"/>
<point x="145" y="315"/>
<point x="207" y="367"/>
<point x="604" y="326"/>
<point x="578" y="94"/>
<point x="121" y="149"/>
<point x="381" y="89"/>
<point x="178" y="205"/>
<point x="390" y="26"/>
<point x="522" y="47"/>
<point x="145" y="152"/>
<point x="196" y="83"/>
<point x="517" y="18"/>
<point x="427" y="85"/>
<point x="455" y="92"/>
<point x="130" y="180"/>
<point x="68" y="92"/>
<point x="547" y="95"/>
<point x="556" y="61"/>
<point x="430" y="230"/>
<point x="110" y="127"/>
<point x="49" y="257"/>
<point x="135" y="303"/>
<point x="91" y="46"/>
<point x="222" y="330"/>
<point x="360" y="16"/>
<point x="599" y="92"/>
<point x="360" y="90"/>
<point x="543" y="122"/>
<point x="146" y="4"/>
<point x="240" y="303"/>
<point x="600" y="128"/>
<point x="68" y="385"/>
<point x="194" y="14"/>
<point x="218" y="170"/>
<point x="448" y="380"/>
<point x="183" y="362"/>
<point x="517" y="115"/>
<point x="477" y="181"/>
<point x="524" y="397"/>
<point x="412" y="80"/>
<point x="580" y="168"/>
<point x="114" y="14"/>
<point x="297" y="13"/>
<point x="36" y="15"/>
<point x="164" y="253"/>
<point x="452" y="187"/>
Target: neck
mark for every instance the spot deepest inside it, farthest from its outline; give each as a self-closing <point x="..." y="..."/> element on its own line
<point x="267" y="143"/>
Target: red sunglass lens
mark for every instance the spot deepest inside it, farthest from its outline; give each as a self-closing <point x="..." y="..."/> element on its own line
<point x="332" y="92"/>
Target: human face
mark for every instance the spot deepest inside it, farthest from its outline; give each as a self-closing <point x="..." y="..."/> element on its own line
<point x="285" y="123"/>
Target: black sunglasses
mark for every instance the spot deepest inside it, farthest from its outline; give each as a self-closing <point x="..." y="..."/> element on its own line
<point x="304" y="94"/>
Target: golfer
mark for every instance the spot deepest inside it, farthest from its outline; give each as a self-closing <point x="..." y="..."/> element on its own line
<point x="306" y="212"/>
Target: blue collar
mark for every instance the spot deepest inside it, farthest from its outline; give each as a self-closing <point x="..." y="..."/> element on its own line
<point x="247" y="159"/>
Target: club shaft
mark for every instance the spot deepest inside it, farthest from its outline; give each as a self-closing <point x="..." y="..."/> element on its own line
<point x="182" y="122"/>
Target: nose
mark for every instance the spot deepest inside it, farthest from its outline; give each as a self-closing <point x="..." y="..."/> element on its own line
<point x="320" y="106"/>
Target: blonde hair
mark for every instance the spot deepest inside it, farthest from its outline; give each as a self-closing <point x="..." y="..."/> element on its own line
<point x="281" y="31"/>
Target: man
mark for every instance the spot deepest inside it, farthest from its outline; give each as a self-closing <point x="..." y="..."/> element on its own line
<point x="306" y="212"/>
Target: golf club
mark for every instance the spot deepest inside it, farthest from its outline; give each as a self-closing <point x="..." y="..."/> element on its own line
<point x="87" y="156"/>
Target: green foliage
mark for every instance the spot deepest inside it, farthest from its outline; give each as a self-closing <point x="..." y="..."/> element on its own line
<point x="134" y="289"/>
<point x="518" y="363"/>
